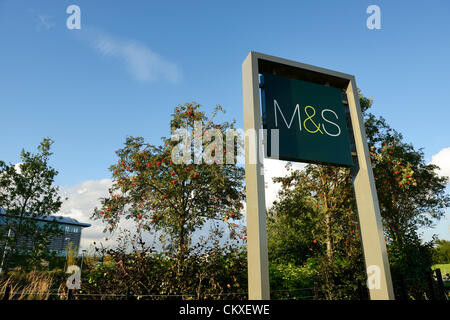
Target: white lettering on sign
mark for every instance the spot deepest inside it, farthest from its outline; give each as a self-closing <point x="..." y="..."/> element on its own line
<point x="323" y="117"/>
<point x="297" y="109"/>
<point x="310" y="111"/>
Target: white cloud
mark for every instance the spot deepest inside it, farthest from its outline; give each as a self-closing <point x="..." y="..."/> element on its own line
<point x="273" y="169"/>
<point x="442" y="160"/>
<point x="83" y="198"/>
<point x="140" y="61"/>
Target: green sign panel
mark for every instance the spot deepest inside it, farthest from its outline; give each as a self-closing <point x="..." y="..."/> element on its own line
<point x="310" y="119"/>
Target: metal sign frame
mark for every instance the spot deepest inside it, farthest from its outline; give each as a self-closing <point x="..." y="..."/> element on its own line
<point x="372" y="236"/>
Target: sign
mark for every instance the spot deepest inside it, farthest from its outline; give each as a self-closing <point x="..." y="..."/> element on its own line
<point x="310" y="118"/>
<point x="312" y="127"/>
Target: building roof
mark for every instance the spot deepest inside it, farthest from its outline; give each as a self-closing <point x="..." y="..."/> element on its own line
<point x="58" y="219"/>
<point x="67" y="220"/>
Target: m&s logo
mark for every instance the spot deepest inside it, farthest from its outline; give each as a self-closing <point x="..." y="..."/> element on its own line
<point x="309" y="118"/>
<point x="310" y="123"/>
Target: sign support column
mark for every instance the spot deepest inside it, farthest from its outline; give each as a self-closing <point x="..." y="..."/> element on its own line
<point x="372" y="235"/>
<point x="257" y="256"/>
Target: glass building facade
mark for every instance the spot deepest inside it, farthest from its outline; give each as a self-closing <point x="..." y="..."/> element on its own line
<point x="71" y="232"/>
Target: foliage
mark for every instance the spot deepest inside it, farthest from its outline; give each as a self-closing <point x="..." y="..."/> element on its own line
<point x="441" y="253"/>
<point x="315" y="202"/>
<point x="411" y="195"/>
<point x="292" y="281"/>
<point x="176" y="199"/>
<point x="27" y="194"/>
<point x="209" y="271"/>
<point x="160" y="194"/>
<point x="319" y="202"/>
<point x="445" y="271"/>
<point x="32" y="285"/>
<point x="71" y="254"/>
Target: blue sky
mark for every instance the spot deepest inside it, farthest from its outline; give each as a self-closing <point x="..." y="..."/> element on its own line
<point x="132" y="62"/>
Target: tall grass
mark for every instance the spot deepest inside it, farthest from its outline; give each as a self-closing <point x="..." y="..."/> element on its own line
<point x="71" y="253"/>
<point x="34" y="285"/>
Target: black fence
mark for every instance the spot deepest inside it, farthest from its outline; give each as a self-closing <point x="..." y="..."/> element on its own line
<point x="429" y="287"/>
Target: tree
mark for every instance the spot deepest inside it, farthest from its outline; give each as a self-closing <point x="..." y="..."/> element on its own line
<point x="27" y="195"/>
<point x="177" y="199"/>
<point x="320" y="201"/>
<point x="314" y="225"/>
<point x="411" y="195"/>
<point x="441" y="253"/>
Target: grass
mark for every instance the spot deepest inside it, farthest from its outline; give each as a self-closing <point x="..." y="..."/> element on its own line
<point x="445" y="268"/>
<point x="34" y="286"/>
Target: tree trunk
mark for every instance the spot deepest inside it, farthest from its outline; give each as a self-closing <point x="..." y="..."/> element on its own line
<point x="181" y="248"/>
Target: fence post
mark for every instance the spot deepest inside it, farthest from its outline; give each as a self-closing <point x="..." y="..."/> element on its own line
<point x="129" y="295"/>
<point x="403" y="289"/>
<point x="316" y="296"/>
<point x="7" y="293"/>
<point x="430" y="285"/>
<point x="440" y="283"/>
<point x="69" y="294"/>
<point x="360" y="291"/>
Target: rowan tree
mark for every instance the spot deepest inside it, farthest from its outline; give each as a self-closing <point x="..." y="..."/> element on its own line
<point x="176" y="199"/>
<point x="411" y="196"/>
